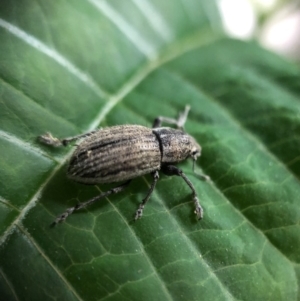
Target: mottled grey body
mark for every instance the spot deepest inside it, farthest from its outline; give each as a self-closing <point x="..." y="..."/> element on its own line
<point x="124" y="152"/>
<point x="115" y="154"/>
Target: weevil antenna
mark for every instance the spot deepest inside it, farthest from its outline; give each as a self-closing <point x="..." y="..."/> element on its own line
<point x="201" y="176"/>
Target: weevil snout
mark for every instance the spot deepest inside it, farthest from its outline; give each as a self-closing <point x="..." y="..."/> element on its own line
<point x="195" y="149"/>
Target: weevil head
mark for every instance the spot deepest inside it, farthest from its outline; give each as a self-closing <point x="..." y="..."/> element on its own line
<point x="176" y="145"/>
<point x="195" y="149"/>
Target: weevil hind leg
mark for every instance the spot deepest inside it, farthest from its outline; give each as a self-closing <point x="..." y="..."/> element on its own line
<point x="70" y="210"/>
<point x="179" y="122"/>
<point x="173" y="170"/>
<point x="139" y="212"/>
<point x="48" y="139"/>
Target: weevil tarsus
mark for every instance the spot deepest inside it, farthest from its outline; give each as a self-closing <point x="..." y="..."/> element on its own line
<point x="50" y="140"/>
<point x="139" y="212"/>
<point x="179" y="122"/>
<point x="79" y="206"/>
<point x="172" y="170"/>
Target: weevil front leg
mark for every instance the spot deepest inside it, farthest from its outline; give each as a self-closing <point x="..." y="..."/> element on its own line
<point x="179" y="122"/>
<point x="50" y="140"/>
<point x="139" y="212"/>
<point x="173" y="170"/>
<point x="69" y="211"/>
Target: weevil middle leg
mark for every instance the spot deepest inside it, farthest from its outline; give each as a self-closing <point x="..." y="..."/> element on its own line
<point x="69" y="211"/>
<point x="139" y="212"/>
<point x="171" y="170"/>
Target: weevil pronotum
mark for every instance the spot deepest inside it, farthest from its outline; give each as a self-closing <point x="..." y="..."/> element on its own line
<point x="124" y="152"/>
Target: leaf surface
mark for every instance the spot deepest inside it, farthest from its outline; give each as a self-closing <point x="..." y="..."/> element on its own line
<point x="69" y="67"/>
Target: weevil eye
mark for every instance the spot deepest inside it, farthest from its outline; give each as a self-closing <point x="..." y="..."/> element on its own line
<point x="195" y="153"/>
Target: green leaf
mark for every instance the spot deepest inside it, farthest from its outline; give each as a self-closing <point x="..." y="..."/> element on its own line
<point x="67" y="67"/>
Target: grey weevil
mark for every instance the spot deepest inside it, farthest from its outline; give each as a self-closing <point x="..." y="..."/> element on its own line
<point x="124" y="152"/>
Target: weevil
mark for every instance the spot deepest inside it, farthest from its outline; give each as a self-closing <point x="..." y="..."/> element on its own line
<point x="123" y="152"/>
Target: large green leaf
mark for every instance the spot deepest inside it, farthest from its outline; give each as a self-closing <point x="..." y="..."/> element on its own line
<point x="70" y="66"/>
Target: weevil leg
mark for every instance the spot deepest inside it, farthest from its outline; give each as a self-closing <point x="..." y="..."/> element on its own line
<point x="179" y="122"/>
<point x="173" y="170"/>
<point x="139" y="212"/>
<point x="69" y="211"/>
<point x="48" y="139"/>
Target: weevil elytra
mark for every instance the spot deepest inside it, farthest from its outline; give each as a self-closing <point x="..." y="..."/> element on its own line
<point x="124" y="152"/>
